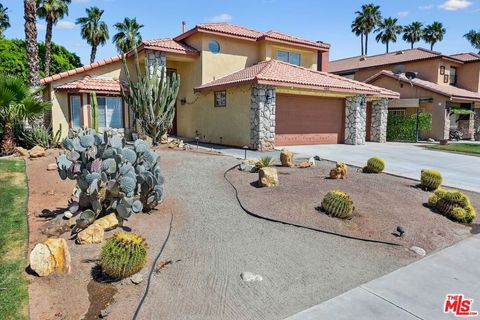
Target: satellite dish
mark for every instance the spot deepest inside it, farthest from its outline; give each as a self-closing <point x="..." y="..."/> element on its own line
<point x="399" y="69"/>
<point x="411" y="75"/>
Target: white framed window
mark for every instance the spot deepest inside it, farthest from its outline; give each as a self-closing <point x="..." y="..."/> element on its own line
<point x="110" y="112"/>
<point x="290" y="57"/>
<point x="75" y="111"/>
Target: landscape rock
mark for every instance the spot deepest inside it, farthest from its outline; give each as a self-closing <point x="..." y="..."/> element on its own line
<point x="67" y="214"/>
<point x="137" y="278"/>
<point x="37" y="152"/>
<point x="22" y="152"/>
<point x="286" y="158"/>
<point x="94" y="233"/>
<point x="268" y="177"/>
<point x="52" y="167"/>
<point x="108" y="222"/>
<point x="164" y="139"/>
<point x="105" y="312"/>
<point x="431" y="140"/>
<point x="312" y="162"/>
<point x="304" y="165"/>
<point x="51" y="256"/>
<point x="248" y="165"/>
<point x="248" y="277"/>
<point x="339" y="172"/>
<point x="420" y="251"/>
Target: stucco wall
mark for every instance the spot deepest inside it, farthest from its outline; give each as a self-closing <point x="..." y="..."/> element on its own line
<point x="308" y="58"/>
<point x="468" y="76"/>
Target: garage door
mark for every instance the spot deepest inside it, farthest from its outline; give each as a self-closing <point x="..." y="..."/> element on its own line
<point x="309" y="120"/>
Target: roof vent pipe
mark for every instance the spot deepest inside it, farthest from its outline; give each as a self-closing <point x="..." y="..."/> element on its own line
<point x="184" y="26"/>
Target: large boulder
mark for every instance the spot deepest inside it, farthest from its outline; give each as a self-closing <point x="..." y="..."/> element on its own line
<point x="286" y="158"/>
<point x="51" y="256"/>
<point x="37" y="152"/>
<point x="94" y="233"/>
<point x="268" y="177"/>
<point x="108" y="223"/>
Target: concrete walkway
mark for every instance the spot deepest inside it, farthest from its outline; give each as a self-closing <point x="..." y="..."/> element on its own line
<point x="417" y="291"/>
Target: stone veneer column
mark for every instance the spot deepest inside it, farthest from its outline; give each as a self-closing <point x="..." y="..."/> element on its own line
<point x="471" y="127"/>
<point x="446" y="126"/>
<point x="378" y="131"/>
<point x="262" y="117"/>
<point x="156" y="57"/>
<point x="355" y="120"/>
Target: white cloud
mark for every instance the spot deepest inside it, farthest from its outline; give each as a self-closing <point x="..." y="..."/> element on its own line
<point x="426" y="7"/>
<point x="454" y="5"/>
<point x="66" y="25"/>
<point x="224" y="17"/>
<point x="403" y="13"/>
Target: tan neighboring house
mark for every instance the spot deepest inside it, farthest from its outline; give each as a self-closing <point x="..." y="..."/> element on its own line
<point x="239" y="87"/>
<point x="446" y="86"/>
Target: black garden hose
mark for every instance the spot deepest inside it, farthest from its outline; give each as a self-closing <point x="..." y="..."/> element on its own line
<point x="298" y="225"/>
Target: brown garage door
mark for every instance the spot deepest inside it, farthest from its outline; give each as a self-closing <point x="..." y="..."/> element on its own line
<point x="309" y="120"/>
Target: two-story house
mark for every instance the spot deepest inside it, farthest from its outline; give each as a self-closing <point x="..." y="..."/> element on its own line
<point x="448" y="87"/>
<point x="238" y="87"/>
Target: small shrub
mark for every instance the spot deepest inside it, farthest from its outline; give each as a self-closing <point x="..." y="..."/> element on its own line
<point x="430" y="179"/>
<point x="374" y="165"/>
<point x="453" y="204"/>
<point x="123" y="255"/>
<point x="338" y="204"/>
<point x="265" y="162"/>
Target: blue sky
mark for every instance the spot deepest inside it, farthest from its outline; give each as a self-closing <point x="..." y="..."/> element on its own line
<point x="328" y="21"/>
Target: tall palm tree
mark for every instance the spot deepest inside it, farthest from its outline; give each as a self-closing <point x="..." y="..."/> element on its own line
<point x="17" y="103"/>
<point x="93" y="30"/>
<point x="370" y="15"/>
<point x="413" y="33"/>
<point x="388" y="29"/>
<point x="51" y="11"/>
<point x="30" y="15"/>
<point x="474" y="38"/>
<point x="128" y="35"/>
<point x="434" y="33"/>
<point x="4" y="19"/>
<point x="358" y="28"/>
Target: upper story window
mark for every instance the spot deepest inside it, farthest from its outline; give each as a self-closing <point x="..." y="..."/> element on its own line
<point x="290" y="57"/>
<point x="220" y="99"/>
<point x="453" y="76"/>
<point x="214" y="46"/>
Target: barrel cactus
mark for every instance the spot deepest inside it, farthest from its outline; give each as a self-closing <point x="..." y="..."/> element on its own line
<point x="123" y="255"/>
<point x="430" y="179"/>
<point x="453" y="204"/>
<point x="374" y="165"/>
<point x="110" y="175"/>
<point x="338" y="204"/>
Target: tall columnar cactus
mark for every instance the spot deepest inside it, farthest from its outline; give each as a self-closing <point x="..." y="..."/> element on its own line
<point x="110" y="176"/>
<point x="123" y="255"/>
<point x="338" y="204"/>
<point x="152" y="96"/>
<point x="430" y="179"/>
<point x="374" y="165"/>
<point x="453" y="204"/>
<point x="94" y="107"/>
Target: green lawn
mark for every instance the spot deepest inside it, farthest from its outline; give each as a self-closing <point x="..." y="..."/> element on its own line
<point x="13" y="240"/>
<point x="459" y="147"/>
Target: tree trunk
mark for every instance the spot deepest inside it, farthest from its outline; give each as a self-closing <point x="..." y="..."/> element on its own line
<point x="93" y="54"/>
<point x="412" y="44"/>
<point x="431" y="46"/>
<point x="366" y="44"/>
<point x="48" y="46"/>
<point x="30" y="7"/>
<point x="8" y="140"/>
<point x="387" y="46"/>
<point x="361" y="38"/>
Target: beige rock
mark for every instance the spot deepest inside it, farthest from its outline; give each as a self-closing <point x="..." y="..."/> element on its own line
<point x="22" y="152"/>
<point x="147" y="139"/>
<point x="52" y="167"/>
<point x="61" y="254"/>
<point x="51" y="256"/>
<point x="108" y="223"/>
<point x="286" y="158"/>
<point x="94" y="233"/>
<point x="37" y="152"/>
<point x="268" y="177"/>
<point x="164" y="139"/>
<point x="304" y="165"/>
<point x="340" y="171"/>
<point x="312" y="162"/>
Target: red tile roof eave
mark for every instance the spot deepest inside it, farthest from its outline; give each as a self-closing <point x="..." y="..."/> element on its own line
<point x="320" y="46"/>
<point x="169" y="50"/>
<point x="71" y="90"/>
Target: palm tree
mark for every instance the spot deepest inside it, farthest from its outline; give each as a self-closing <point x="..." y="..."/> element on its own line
<point x="4" y="19"/>
<point x="94" y="31"/>
<point x="17" y="103"/>
<point x="370" y="16"/>
<point x="128" y="35"/>
<point x="358" y="28"/>
<point x="413" y="32"/>
<point x="434" y="33"/>
<point x="51" y="11"/>
<point x="387" y="31"/>
<point x="30" y="11"/>
<point x="474" y="38"/>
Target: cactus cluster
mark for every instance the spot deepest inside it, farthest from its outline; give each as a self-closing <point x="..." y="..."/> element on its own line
<point x="123" y="255"/>
<point x="374" y="165"/>
<point x="430" y="179"/>
<point x="453" y="204"/>
<point x="110" y="175"/>
<point x="338" y="204"/>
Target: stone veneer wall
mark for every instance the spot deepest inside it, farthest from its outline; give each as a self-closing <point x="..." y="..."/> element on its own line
<point x="378" y="131"/>
<point x="446" y="127"/>
<point x="355" y="120"/>
<point x="262" y="117"/>
<point x="156" y="57"/>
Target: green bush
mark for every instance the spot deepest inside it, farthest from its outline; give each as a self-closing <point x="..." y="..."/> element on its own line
<point x="403" y="128"/>
<point x="264" y="162"/>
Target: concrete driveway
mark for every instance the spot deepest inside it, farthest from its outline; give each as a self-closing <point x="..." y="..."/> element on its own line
<point x="404" y="159"/>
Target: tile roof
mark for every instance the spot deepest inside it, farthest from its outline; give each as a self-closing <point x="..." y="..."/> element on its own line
<point x="274" y="72"/>
<point x="466" y="57"/>
<point x="360" y="62"/>
<point x="445" y="90"/>
<point x="169" y="45"/>
<point x="88" y="83"/>
<point x="232" y="30"/>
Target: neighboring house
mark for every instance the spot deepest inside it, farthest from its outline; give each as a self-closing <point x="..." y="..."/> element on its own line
<point x="238" y="87"/>
<point x="448" y="87"/>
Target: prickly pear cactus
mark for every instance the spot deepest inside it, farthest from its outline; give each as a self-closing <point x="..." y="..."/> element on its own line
<point x="110" y="175"/>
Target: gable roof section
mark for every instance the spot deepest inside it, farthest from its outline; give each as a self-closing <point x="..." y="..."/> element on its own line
<point x="279" y="73"/>
<point x="88" y="83"/>
<point x="169" y="45"/>
<point x="234" y="31"/>
<point x="397" y="57"/>
<point x="445" y="90"/>
<point x="467" y="57"/>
